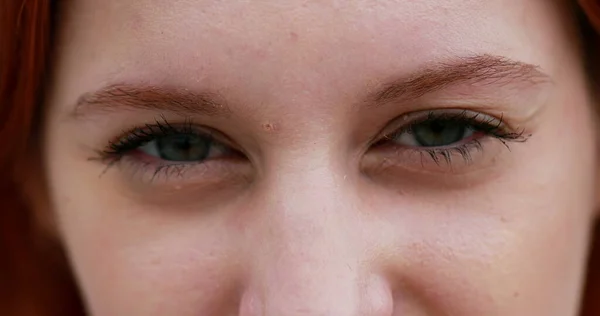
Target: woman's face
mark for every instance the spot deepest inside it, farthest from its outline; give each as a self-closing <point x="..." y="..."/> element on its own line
<point x="341" y="158"/>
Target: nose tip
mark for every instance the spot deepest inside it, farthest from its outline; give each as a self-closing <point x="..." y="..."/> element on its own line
<point x="319" y="297"/>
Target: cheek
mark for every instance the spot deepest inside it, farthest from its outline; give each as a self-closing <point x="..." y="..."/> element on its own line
<point x="166" y="263"/>
<point x="516" y="244"/>
<point x="522" y="255"/>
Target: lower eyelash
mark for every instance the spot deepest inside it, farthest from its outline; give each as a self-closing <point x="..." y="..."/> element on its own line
<point x="169" y="170"/>
<point x="165" y="171"/>
<point x="108" y="160"/>
<point x="445" y="154"/>
<point x="486" y="127"/>
<point x="122" y="147"/>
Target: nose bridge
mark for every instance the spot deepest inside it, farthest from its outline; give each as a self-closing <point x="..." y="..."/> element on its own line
<point x="310" y="258"/>
<point x="310" y="273"/>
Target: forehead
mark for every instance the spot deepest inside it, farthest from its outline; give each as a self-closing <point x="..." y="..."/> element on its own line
<point x="262" y="20"/>
<point x="295" y="42"/>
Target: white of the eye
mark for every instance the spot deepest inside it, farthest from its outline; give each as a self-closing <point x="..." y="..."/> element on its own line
<point x="408" y="138"/>
<point x="150" y="148"/>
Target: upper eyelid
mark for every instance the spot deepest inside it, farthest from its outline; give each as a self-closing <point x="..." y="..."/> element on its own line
<point x="153" y="131"/>
<point x="158" y="129"/>
<point x="395" y="125"/>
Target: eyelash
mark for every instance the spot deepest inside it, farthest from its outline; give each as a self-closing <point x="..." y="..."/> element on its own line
<point x="138" y="136"/>
<point x="134" y="138"/>
<point x="482" y="124"/>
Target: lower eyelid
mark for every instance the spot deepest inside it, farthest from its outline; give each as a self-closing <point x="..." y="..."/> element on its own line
<point x="157" y="172"/>
<point x="466" y="157"/>
<point x="460" y="148"/>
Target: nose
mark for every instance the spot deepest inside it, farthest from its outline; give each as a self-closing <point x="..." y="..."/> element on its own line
<point x="308" y="254"/>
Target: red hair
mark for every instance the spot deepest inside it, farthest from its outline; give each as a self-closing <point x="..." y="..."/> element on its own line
<point x="35" y="280"/>
<point x="31" y="281"/>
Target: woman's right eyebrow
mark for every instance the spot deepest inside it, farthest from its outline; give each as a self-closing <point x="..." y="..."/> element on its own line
<point x="126" y="96"/>
<point x="484" y="70"/>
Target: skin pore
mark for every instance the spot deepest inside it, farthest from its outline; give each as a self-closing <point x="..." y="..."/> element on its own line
<point x="268" y="158"/>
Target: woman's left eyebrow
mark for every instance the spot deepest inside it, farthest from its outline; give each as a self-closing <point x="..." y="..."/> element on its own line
<point x="482" y="70"/>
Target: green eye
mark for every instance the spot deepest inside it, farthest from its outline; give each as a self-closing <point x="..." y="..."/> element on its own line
<point x="441" y="133"/>
<point x="435" y="133"/>
<point x="179" y="148"/>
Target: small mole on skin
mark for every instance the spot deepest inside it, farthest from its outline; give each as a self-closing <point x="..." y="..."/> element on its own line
<point x="516" y="294"/>
<point x="269" y="127"/>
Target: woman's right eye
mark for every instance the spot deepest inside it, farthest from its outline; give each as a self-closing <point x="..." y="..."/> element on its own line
<point x="183" y="148"/>
<point x="164" y="145"/>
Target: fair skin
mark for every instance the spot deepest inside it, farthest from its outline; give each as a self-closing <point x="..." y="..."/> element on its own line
<point x="376" y="158"/>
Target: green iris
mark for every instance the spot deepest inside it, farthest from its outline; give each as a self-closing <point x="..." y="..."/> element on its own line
<point x="183" y="147"/>
<point x="439" y="133"/>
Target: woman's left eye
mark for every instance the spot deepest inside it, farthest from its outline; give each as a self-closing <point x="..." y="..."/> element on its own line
<point x="435" y="133"/>
<point x="441" y="136"/>
<point x="182" y="148"/>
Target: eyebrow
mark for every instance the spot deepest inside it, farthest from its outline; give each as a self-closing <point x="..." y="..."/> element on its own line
<point x="475" y="70"/>
<point x="479" y="70"/>
<point x="124" y="96"/>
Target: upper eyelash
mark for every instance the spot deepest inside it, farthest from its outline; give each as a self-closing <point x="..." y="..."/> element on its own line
<point x="130" y="140"/>
<point x="491" y="126"/>
<point x="134" y="138"/>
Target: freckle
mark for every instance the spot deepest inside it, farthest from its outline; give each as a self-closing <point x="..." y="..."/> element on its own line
<point x="516" y="294"/>
<point x="294" y="36"/>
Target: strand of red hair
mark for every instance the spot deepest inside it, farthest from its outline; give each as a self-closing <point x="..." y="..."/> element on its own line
<point x="30" y="282"/>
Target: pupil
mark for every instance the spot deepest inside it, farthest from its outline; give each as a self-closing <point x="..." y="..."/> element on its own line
<point x="183" y="148"/>
<point x="439" y="133"/>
